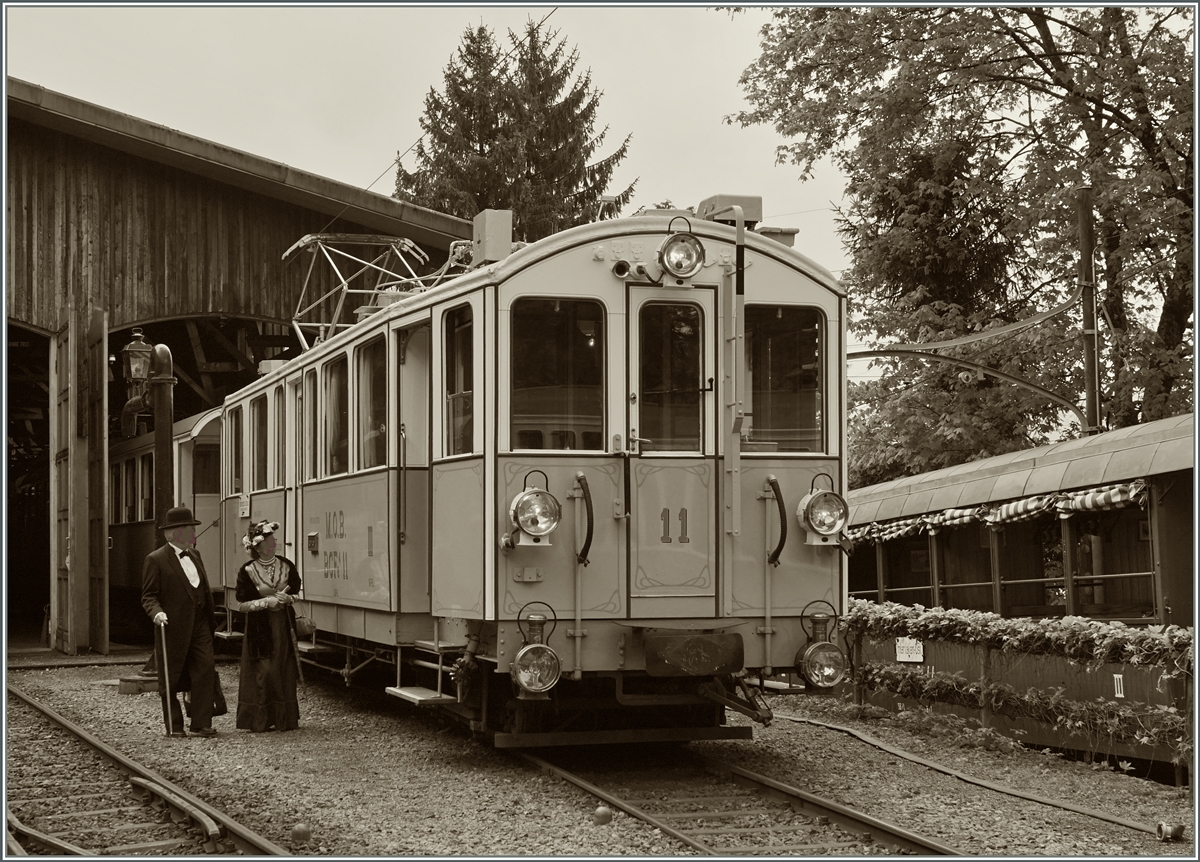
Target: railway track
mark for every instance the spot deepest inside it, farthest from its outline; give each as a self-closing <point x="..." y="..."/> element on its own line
<point x="69" y="794"/>
<point x="721" y="809"/>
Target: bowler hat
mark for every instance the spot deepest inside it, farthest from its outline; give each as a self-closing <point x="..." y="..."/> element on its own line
<point x="180" y="516"/>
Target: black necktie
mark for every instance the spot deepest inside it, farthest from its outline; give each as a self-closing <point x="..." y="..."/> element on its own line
<point x="183" y="554"/>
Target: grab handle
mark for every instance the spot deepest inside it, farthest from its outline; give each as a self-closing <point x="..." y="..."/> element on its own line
<point x="774" y="558"/>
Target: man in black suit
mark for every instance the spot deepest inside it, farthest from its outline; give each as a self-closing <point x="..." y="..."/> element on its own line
<point x="177" y="597"/>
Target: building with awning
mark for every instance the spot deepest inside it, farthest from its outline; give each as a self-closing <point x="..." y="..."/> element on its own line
<point x="1101" y="526"/>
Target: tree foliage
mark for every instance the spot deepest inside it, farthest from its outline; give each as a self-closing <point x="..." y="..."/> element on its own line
<point x="514" y="131"/>
<point x="964" y="134"/>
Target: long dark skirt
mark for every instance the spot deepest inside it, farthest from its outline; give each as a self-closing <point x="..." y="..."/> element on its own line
<point x="267" y="689"/>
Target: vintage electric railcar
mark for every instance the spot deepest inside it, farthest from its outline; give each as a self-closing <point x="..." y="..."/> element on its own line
<point x="579" y="493"/>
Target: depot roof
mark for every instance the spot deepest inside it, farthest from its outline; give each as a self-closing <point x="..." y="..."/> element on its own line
<point x="122" y="132"/>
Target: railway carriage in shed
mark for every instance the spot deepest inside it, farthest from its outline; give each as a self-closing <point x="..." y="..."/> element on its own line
<point x="579" y="493"/>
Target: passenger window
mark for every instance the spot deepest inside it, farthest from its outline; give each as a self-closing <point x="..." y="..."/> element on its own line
<point x="670" y="359"/>
<point x="235" y="449"/>
<point x="115" y="512"/>
<point x="206" y="465"/>
<point x="372" y="404"/>
<point x="784" y="400"/>
<point x="258" y="442"/>
<point x="310" y="433"/>
<point x="459" y="427"/>
<point x="146" y="497"/>
<point x="557" y="374"/>
<point x="130" y="491"/>
<point x="337" y="436"/>
<point x="280" y="437"/>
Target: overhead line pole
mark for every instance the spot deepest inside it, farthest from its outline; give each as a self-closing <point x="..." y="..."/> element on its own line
<point x="1091" y="334"/>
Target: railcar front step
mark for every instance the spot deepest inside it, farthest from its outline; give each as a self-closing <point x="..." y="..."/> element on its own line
<point x="308" y="648"/>
<point x="229" y="636"/>
<point x="420" y="696"/>
<point x="440" y="646"/>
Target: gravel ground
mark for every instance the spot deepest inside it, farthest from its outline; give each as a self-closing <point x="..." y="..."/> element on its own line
<point x="372" y="776"/>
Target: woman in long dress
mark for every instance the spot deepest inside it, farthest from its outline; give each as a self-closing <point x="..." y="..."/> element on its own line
<point x="266" y="588"/>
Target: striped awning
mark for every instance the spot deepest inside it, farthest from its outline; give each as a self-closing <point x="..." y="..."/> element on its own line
<point x="861" y="534"/>
<point x="1100" y="499"/>
<point x="1020" y="510"/>
<point x="955" y="517"/>
<point x="900" y="529"/>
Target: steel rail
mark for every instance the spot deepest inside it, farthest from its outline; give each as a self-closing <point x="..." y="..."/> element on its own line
<point x="199" y="811"/>
<point x="871" y="828"/>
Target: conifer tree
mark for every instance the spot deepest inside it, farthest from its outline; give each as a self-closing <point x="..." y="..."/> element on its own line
<point x="514" y="132"/>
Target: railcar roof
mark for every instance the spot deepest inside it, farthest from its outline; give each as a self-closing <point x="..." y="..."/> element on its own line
<point x="1163" y="446"/>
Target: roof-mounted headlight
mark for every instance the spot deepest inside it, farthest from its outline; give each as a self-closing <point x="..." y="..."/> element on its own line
<point x="535" y="514"/>
<point x="681" y="255"/>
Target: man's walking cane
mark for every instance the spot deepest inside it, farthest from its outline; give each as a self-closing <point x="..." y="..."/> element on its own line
<point x="166" y="679"/>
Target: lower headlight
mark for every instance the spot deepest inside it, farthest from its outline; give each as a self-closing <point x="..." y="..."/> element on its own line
<point x="823" y="512"/>
<point x="822" y="665"/>
<point x="535" y="668"/>
<point x="535" y="511"/>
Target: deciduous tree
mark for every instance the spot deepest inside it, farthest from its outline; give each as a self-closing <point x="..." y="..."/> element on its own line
<point x="964" y="134"/>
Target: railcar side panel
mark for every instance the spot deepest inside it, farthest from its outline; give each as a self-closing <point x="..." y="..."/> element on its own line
<point x="347" y="545"/>
<point x="458" y="539"/>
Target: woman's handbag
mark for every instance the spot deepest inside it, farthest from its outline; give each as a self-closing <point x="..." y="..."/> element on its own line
<point x="304" y="626"/>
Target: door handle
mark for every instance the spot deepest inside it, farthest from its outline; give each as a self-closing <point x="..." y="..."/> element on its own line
<point x="709" y="387"/>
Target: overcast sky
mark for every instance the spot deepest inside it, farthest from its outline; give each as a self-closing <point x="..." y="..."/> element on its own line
<point x="339" y="91"/>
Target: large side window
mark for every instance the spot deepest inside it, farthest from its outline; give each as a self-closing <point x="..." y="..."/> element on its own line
<point x="130" y="493"/>
<point x="459" y="357"/>
<point x="557" y="374"/>
<point x="206" y="468"/>
<point x="670" y="358"/>
<point x="337" y="436"/>
<point x="310" y="425"/>
<point x="280" y="437"/>
<point x="258" y="442"/>
<point x="784" y="358"/>
<point x="116" y="515"/>
<point x="235" y="450"/>
<point x="371" y="374"/>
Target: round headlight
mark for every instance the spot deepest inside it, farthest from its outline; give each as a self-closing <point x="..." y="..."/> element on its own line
<point x="535" y="668"/>
<point x="822" y="664"/>
<point x="535" y="511"/>
<point x="682" y="255"/>
<point x="823" y="512"/>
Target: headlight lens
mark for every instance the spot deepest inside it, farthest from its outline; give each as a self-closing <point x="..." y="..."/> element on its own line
<point x="536" y="512"/>
<point x="682" y="255"/>
<point x="822" y="664"/>
<point x="536" y="668"/>
<point x="823" y="512"/>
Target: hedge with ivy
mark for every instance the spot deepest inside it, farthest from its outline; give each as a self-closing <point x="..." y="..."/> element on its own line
<point x="1078" y="639"/>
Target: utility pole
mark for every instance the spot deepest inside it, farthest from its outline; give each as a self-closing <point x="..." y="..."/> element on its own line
<point x="1091" y="334"/>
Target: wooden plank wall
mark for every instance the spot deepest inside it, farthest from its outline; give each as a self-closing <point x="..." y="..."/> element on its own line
<point x="149" y="241"/>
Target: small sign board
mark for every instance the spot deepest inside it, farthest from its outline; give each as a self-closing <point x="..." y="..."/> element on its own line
<point x="910" y="649"/>
<point x="244" y="506"/>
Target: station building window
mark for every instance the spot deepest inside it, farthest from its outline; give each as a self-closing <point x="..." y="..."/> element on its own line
<point x="460" y="433"/>
<point x="371" y="374"/>
<point x="557" y="374"/>
<point x="337" y="414"/>
<point x="784" y="362"/>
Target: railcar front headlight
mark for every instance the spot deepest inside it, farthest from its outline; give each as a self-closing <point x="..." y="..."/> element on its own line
<point x="681" y="255"/>
<point x="823" y="512"/>
<point x="536" y="668"/>
<point x="535" y="512"/>
<point x="823" y="664"/>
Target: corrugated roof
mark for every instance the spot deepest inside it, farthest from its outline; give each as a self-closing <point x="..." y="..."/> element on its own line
<point x="1137" y="452"/>
<point x="155" y="142"/>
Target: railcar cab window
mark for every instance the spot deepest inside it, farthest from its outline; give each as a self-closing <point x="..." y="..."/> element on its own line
<point x="670" y="364"/>
<point x="557" y="374"/>
<point x="337" y="414"/>
<point x="784" y="362"/>
<point x="372" y="404"/>
<point x="460" y="433"/>
<point x="258" y="443"/>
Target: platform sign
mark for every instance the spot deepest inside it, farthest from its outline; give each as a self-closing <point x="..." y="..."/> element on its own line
<point x="910" y="650"/>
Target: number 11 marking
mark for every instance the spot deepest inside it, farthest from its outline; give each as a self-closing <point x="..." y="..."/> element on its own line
<point x="665" y="517"/>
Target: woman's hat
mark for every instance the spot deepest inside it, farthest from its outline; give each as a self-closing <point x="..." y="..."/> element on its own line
<point x="257" y="532"/>
<point x="180" y="516"/>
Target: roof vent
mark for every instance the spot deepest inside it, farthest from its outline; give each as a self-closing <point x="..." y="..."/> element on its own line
<point x="492" y="237"/>
<point x="784" y="235"/>
<point x="751" y="208"/>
